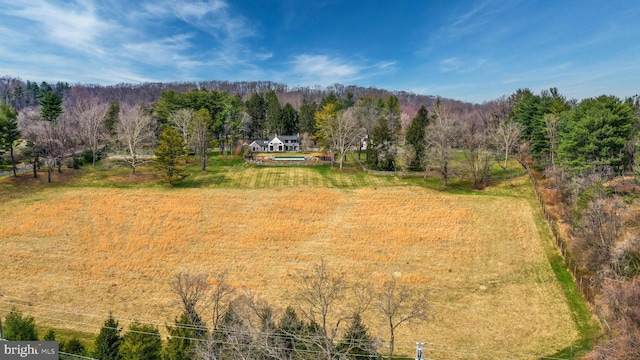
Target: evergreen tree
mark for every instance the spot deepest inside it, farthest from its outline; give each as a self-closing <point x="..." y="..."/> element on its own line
<point x="381" y="150"/>
<point x="356" y="342"/>
<point x="170" y="154"/>
<point x="274" y="114"/>
<point x="18" y="95"/>
<point x="290" y="329"/>
<point x="19" y="328"/>
<point x="141" y="342"/>
<point x="231" y="336"/>
<point x="50" y="336"/>
<point x="332" y="99"/>
<point x="307" y="117"/>
<point x="32" y="92"/>
<point x="416" y="135"/>
<point x="107" y="344"/>
<point x="112" y="117"/>
<point x="9" y="133"/>
<point x="256" y="108"/>
<point x="51" y="106"/>
<point x="75" y="346"/>
<point x="595" y="133"/>
<point x="392" y="113"/>
<point x="179" y="344"/>
<point x="290" y="120"/>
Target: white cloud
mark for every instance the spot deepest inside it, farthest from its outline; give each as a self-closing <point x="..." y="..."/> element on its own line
<point x="160" y="51"/>
<point x="321" y="66"/>
<point x="73" y="25"/>
<point x="324" y="70"/>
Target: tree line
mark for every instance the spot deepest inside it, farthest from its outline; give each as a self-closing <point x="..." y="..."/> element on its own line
<point x="586" y="154"/>
<point x="218" y="321"/>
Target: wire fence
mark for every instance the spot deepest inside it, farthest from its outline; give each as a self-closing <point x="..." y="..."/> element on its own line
<point x="580" y="277"/>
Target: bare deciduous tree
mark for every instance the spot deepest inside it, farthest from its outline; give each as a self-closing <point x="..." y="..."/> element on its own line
<point x="181" y="118"/>
<point x="600" y="226"/>
<point x="199" y="129"/>
<point x="476" y="154"/>
<point x="222" y="296"/>
<point x="343" y="131"/>
<point x="319" y="293"/>
<point x="193" y="291"/>
<point x="505" y="136"/>
<point x="136" y="133"/>
<point x="440" y="138"/>
<point x="91" y="113"/>
<point x="406" y="156"/>
<point x="398" y="305"/>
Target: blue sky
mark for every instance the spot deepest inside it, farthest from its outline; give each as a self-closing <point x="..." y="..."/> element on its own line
<point x="467" y="50"/>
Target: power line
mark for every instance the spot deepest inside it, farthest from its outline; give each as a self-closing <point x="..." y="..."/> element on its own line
<point x="433" y="347"/>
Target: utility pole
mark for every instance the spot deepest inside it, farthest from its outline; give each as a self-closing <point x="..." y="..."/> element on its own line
<point x="419" y="350"/>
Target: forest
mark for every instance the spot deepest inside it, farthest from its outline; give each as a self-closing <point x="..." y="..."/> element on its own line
<point x="585" y="154"/>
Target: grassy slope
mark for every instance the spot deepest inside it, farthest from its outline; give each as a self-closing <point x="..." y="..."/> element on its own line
<point x="472" y="279"/>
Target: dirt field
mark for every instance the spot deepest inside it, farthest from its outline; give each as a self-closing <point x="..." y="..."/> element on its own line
<point x="72" y="255"/>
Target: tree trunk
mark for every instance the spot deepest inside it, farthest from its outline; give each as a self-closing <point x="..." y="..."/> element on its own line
<point x="392" y="341"/>
<point x="13" y="162"/>
<point x="203" y="159"/>
<point x="95" y="150"/>
<point x="35" y="170"/>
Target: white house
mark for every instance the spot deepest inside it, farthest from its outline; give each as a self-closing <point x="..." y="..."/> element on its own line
<point x="277" y="143"/>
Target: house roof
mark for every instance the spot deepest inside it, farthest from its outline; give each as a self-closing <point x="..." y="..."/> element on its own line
<point x="261" y="143"/>
<point x="284" y="137"/>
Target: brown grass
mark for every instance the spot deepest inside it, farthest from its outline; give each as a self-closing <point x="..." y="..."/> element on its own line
<point x="91" y="251"/>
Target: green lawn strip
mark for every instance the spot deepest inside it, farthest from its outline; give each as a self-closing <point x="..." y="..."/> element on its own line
<point x="64" y="335"/>
<point x="588" y="326"/>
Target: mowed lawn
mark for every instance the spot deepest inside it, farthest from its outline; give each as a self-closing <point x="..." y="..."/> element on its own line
<point x="70" y="255"/>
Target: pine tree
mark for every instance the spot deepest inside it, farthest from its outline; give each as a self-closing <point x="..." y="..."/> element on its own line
<point x="75" y="346"/>
<point x="256" y="108"/>
<point x="392" y="113"/>
<point x="51" y="106"/>
<point x="307" y="117"/>
<point x="9" y="133"/>
<point x="170" y="154"/>
<point x="415" y="135"/>
<point x="112" y="117"/>
<point x="141" y="342"/>
<point x="179" y="344"/>
<point x="380" y="152"/>
<point x="290" y="120"/>
<point x="274" y="113"/>
<point x="356" y="342"/>
<point x="107" y="344"/>
<point x="595" y="133"/>
<point x="289" y="330"/>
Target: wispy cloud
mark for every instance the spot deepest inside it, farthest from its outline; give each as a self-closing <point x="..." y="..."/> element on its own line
<point x="456" y="64"/>
<point x="482" y="15"/>
<point x="213" y="17"/>
<point x="72" y="25"/>
<point x="326" y="70"/>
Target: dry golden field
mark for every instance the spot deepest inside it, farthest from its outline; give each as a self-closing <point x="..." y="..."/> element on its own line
<point x="70" y="255"/>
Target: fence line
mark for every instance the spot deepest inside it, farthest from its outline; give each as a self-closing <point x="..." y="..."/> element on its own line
<point x="580" y="278"/>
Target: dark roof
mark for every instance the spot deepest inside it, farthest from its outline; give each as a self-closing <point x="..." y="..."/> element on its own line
<point x="285" y="137"/>
<point x="261" y="143"/>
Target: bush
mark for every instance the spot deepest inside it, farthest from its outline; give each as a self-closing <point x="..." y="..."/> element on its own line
<point x="87" y="156"/>
<point x="19" y="328"/>
<point x="74" y="162"/>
